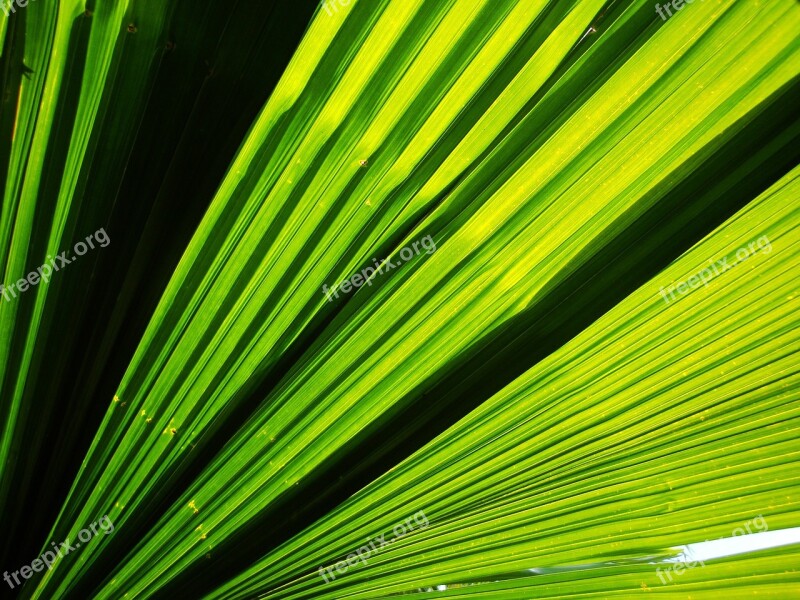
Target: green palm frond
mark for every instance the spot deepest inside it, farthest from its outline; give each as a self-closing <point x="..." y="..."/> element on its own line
<point x="532" y="375"/>
<point x="667" y="414"/>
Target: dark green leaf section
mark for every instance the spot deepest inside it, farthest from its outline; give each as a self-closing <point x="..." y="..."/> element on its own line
<point x="102" y="121"/>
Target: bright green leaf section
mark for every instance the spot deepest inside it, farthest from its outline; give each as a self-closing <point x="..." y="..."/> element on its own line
<point x="682" y="416"/>
<point x="524" y="137"/>
<point x="607" y="163"/>
<point x="207" y="338"/>
<point x="767" y="574"/>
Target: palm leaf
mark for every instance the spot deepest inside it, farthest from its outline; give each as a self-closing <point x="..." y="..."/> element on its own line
<point x="670" y="416"/>
<point x="522" y="381"/>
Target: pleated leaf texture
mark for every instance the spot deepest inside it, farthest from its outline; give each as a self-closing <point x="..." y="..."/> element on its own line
<point x="516" y="278"/>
